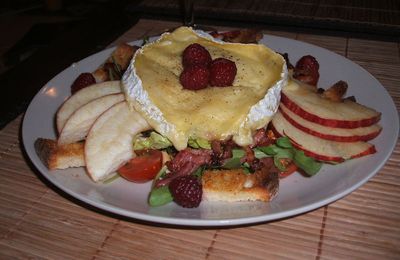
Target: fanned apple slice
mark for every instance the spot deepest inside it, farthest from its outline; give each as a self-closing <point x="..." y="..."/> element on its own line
<point x="82" y="97"/>
<point x="307" y="103"/>
<point x="109" y="141"/>
<point x="320" y="149"/>
<point x="78" y="124"/>
<point x="331" y="133"/>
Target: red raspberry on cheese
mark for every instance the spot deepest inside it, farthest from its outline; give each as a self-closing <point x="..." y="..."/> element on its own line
<point x="222" y="72"/>
<point x="196" y="54"/>
<point x="195" y="77"/>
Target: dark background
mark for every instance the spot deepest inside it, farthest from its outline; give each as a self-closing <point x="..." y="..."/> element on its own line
<point x="41" y="38"/>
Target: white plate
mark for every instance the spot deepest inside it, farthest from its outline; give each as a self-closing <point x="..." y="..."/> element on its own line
<point x="297" y="194"/>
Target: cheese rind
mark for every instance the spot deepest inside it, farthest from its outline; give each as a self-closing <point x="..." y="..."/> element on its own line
<point x="152" y="88"/>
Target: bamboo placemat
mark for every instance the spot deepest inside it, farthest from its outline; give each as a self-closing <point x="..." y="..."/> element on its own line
<point x="367" y="16"/>
<point x="38" y="222"/>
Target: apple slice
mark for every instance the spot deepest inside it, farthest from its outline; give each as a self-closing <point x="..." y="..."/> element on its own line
<point x="82" y="97"/>
<point x="320" y="149"/>
<point x="78" y="124"/>
<point x="330" y="133"/>
<point x="108" y="144"/>
<point x="307" y="103"/>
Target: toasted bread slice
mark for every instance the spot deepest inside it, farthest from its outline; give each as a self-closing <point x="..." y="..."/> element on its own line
<point x="60" y="156"/>
<point x="236" y="185"/>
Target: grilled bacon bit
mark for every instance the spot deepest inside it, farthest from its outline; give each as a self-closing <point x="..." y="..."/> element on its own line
<point x="269" y="163"/>
<point x="263" y="137"/>
<point x="225" y="35"/>
<point x="336" y="91"/>
<point x="185" y="163"/>
<point x="82" y="81"/>
<point x="222" y="150"/>
<point x="239" y="36"/>
<point x="256" y="164"/>
<point x="249" y="157"/>
<point x="351" y="98"/>
<point x="306" y="70"/>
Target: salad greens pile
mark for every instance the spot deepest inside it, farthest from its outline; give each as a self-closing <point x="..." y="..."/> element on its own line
<point x="281" y="151"/>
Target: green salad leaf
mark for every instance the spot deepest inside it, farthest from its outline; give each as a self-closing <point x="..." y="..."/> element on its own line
<point x="283" y="154"/>
<point x="111" y="179"/>
<point x="306" y="163"/>
<point x="259" y="154"/>
<point x="160" y="196"/>
<point x="234" y="162"/>
<point x="160" y="174"/>
<point x="146" y="40"/>
<point x="270" y="150"/>
<point x="247" y="168"/>
<point x="199" y="172"/>
<point x="284" y="142"/>
<point x="154" y="141"/>
<point x="283" y="149"/>
<point x="199" y="143"/>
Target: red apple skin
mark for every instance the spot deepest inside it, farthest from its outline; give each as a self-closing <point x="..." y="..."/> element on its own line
<point x="369" y="151"/>
<point x="323" y="158"/>
<point x="334" y="160"/>
<point x="327" y="159"/>
<point x="336" y="138"/>
<point x="324" y="121"/>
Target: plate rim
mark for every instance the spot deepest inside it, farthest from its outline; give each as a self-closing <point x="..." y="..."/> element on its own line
<point x="209" y="222"/>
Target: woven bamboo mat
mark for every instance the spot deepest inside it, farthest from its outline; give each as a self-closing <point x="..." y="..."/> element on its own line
<point x="367" y="16"/>
<point x="37" y="222"/>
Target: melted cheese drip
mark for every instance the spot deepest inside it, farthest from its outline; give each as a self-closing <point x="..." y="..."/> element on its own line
<point x="152" y="87"/>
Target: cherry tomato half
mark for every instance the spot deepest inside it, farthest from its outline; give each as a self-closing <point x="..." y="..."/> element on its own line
<point x="142" y="168"/>
<point x="290" y="168"/>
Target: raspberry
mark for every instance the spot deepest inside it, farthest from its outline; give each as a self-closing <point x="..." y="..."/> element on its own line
<point x="186" y="191"/>
<point x="222" y="72"/>
<point x="195" y="54"/>
<point x="82" y="81"/>
<point x="195" y="77"/>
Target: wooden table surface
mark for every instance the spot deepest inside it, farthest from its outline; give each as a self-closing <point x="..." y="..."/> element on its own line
<point x="38" y="222"/>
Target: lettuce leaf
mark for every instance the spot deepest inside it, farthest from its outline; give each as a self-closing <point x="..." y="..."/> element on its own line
<point x="154" y="141"/>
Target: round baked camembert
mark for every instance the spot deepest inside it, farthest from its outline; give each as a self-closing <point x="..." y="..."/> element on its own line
<point x="151" y="85"/>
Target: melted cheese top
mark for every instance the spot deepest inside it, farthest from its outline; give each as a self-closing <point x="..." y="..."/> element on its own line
<point x="152" y="87"/>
